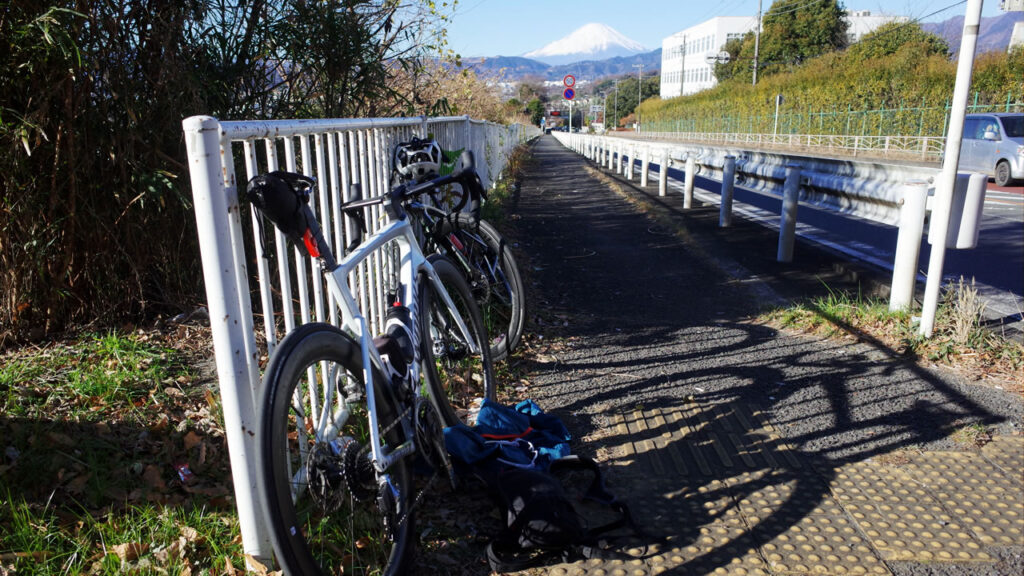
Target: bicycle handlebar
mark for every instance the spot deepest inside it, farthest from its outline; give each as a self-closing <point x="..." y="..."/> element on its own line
<point x="283" y="197"/>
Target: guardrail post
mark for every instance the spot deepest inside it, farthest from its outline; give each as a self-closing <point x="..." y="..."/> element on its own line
<point x="787" y="225"/>
<point x="908" y="244"/>
<point x="627" y="167"/>
<point x="691" y="174"/>
<point x="663" y="173"/>
<point x="728" y="179"/>
<point x="611" y="155"/>
<point x="645" y="165"/>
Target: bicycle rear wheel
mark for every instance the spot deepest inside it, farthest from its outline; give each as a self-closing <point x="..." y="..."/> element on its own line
<point x="493" y="276"/>
<point x="456" y="376"/>
<point x="329" y="510"/>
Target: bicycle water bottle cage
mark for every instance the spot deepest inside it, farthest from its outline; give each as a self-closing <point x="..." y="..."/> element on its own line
<point x="417" y="159"/>
<point x="281" y="196"/>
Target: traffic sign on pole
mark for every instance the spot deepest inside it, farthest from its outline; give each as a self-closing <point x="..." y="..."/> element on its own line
<point x="569" y="93"/>
<point x="569" y="80"/>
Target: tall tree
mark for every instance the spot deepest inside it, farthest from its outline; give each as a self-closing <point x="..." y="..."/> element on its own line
<point x="793" y="31"/>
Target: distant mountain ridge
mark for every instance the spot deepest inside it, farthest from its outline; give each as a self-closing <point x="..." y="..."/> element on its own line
<point x="592" y="41"/>
<point x="993" y="34"/>
<point x="516" y="68"/>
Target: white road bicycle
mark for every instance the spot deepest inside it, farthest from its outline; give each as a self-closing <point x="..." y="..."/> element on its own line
<point x="343" y="415"/>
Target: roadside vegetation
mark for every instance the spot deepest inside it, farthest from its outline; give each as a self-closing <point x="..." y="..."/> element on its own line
<point x="114" y="459"/>
<point x="959" y="340"/>
<point x="897" y="80"/>
<point x="96" y="222"/>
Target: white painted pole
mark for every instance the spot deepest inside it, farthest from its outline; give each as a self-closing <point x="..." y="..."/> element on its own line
<point x="908" y="244"/>
<point x="691" y="174"/>
<point x="663" y="173"/>
<point x="728" y="180"/>
<point x="951" y="159"/>
<point x="790" y="201"/>
<point x="202" y="141"/>
<point x="645" y="165"/>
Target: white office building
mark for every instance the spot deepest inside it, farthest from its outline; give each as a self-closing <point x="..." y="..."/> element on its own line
<point x="863" y="21"/>
<point x="684" y="69"/>
<point x="684" y="55"/>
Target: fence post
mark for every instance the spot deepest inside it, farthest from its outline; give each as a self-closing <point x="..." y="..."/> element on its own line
<point x="645" y="164"/>
<point x="691" y="174"/>
<point x="728" y="179"/>
<point x="229" y="314"/>
<point x="663" y="173"/>
<point x="787" y="225"/>
<point x="908" y="244"/>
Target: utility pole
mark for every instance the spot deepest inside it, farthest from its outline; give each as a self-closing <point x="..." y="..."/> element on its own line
<point x="757" y="40"/>
<point x="639" y="93"/>
<point x="616" y="102"/>
<point x="682" y="65"/>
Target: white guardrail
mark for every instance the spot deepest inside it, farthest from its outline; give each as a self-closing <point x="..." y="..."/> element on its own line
<point x="863" y="188"/>
<point x="338" y="153"/>
<point x="891" y="194"/>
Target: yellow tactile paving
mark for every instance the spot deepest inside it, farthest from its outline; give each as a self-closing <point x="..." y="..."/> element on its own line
<point x="822" y="545"/>
<point x="977" y="492"/>
<point x="1007" y="453"/>
<point x="737" y="500"/>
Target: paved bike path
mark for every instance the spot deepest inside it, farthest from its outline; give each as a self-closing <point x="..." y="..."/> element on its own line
<point x="751" y="450"/>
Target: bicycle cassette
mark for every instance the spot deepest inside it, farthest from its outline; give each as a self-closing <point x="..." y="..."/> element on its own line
<point x="430" y="438"/>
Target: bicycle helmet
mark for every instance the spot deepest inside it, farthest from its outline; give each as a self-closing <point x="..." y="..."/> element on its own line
<point x="418" y="159"/>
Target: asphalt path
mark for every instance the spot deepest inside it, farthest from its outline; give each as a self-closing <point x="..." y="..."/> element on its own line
<point x="636" y="306"/>
<point x="642" y="309"/>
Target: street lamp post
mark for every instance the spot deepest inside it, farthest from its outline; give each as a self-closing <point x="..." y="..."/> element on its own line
<point x="639" y="93"/>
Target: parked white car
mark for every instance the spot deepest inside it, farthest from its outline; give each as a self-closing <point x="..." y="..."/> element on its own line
<point x="993" y="144"/>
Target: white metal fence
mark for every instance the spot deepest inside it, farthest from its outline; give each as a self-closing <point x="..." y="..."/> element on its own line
<point x="338" y="153"/>
<point x="924" y="148"/>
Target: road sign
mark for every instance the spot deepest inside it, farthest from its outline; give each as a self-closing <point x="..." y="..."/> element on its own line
<point x="594" y="109"/>
<point x="569" y="80"/>
<point x="569" y="93"/>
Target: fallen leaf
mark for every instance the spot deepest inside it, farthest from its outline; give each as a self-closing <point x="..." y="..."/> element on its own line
<point x="154" y="479"/>
<point x="229" y="568"/>
<point x="130" y="551"/>
<point x="192" y="440"/>
<point x="77" y="484"/>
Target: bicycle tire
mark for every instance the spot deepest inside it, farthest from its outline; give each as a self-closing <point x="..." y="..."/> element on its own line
<point x="494" y="279"/>
<point x="334" y="523"/>
<point x="456" y="379"/>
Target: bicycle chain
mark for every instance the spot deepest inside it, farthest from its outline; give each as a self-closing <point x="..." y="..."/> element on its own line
<point x="430" y="481"/>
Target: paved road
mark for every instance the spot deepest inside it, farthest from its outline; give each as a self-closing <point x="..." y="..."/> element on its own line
<point x="750" y="450"/>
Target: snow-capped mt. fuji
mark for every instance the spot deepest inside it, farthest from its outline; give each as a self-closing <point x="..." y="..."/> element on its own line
<point x="589" y="42"/>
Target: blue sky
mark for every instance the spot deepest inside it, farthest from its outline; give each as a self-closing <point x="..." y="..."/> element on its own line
<point x="514" y="27"/>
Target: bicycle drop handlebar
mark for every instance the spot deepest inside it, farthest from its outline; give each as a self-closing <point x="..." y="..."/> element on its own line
<point x="283" y="197"/>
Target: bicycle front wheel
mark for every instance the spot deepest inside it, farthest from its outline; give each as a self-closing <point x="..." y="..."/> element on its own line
<point x="457" y="377"/>
<point x="329" y="510"/>
<point x="493" y="276"/>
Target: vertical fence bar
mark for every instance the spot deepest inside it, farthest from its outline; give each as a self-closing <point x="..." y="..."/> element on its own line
<point x="216" y="207"/>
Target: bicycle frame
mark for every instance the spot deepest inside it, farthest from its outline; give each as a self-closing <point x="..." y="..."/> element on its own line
<point x="412" y="262"/>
